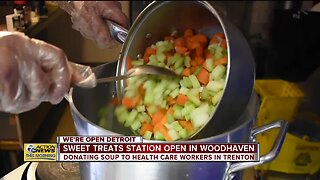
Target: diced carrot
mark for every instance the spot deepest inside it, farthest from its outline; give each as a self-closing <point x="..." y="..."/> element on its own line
<point x="164" y="120"/>
<point x="147" y="53"/>
<point x="164" y="131"/>
<point x="129" y="63"/>
<point x="141" y="90"/>
<point x="145" y="127"/>
<point x="193" y="68"/>
<point x="182" y="99"/>
<point x="171" y="100"/>
<point x="188" y="33"/>
<point x="199" y="60"/>
<point x="186" y="72"/>
<point x="181" y="41"/>
<point x="157" y="116"/>
<point x="223" y="44"/>
<point x="115" y="101"/>
<point x="214" y="40"/>
<point x="223" y="60"/>
<point x="199" y="51"/>
<point x="205" y="64"/>
<point x="192" y="44"/>
<point x="170" y="110"/>
<point x="194" y="63"/>
<point x="128" y="102"/>
<point x="186" y="125"/>
<point x="200" y="38"/>
<point x="180" y="49"/>
<point x="203" y="76"/>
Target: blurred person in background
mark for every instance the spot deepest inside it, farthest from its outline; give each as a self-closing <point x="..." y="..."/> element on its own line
<point x="33" y="71"/>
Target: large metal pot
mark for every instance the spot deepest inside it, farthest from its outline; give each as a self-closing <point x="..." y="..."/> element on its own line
<point x="88" y="102"/>
<point x="232" y="121"/>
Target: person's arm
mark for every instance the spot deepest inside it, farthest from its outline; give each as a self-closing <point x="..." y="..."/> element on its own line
<point x="89" y="18"/>
<point x="32" y="71"/>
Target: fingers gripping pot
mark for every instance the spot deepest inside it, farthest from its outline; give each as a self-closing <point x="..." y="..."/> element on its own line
<point x="232" y="121"/>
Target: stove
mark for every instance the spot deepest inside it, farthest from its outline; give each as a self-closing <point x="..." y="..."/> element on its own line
<point x="45" y="171"/>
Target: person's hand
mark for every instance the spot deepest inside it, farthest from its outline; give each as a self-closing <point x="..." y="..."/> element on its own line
<point x="89" y="17"/>
<point x="31" y="71"/>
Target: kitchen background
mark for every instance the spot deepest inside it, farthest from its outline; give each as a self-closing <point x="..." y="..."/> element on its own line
<point x="284" y="37"/>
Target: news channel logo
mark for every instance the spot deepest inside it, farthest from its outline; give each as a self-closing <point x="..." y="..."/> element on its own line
<point x="40" y="152"/>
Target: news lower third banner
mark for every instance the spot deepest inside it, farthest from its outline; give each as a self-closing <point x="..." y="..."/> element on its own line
<point x="133" y="149"/>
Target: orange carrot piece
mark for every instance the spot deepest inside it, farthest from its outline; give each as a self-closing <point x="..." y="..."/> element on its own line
<point x="145" y="127"/>
<point x="128" y="102"/>
<point x="180" y="49"/>
<point x="115" y="101"/>
<point x="200" y="38"/>
<point x="199" y="51"/>
<point x="129" y="63"/>
<point x="214" y="40"/>
<point x="170" y="110"/>
<point x="182" y="99"/>
<point x="157" y="116"/>
<point x="147" y="53"/>
<point x="186" y="125"/>
<point x="171" y="101"/>
<point x="164" y="132"/>
<point x="164" y="119"/>
<point x="204" y="65"/>
<point x="188" y="33"/>
<point x="223" y="44"/>
<point x="207" y="54"/>
<point x="181" y="41"/>
<point x="203" y="76"/>
<point x="199" y="60"/>
<point x="223" y="60"/>
<point x="186" y="72"/>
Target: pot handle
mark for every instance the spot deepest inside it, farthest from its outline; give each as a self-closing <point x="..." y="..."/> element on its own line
<point x="117" y="32"/>
<point x="282" y="124"/>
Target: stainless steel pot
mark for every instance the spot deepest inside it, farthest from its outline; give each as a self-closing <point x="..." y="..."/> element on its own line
<point x="235" y="114"/>
<point x="85" y="104"/>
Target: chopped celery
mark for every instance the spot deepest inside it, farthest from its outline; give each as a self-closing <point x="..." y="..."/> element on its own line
<point x="187" y="61"/>
<point x="179" y="70"/>
<point x="174" y="93"/>
<point x="178" y="63"/>
<point x="209" y="64"/>
<point x="215" y="86"/>
<point x="137" y="63"/>
<point x="183" y="133"/>
<point x="131" y="117"/>
<point x="216" y="98"/>
<point x="184" y="90"/>
<point x="161" y="57"/>
<point x="141" y="108"/>
<point x="147" y="135"/>
<point x="135" y="125"/>
<point x="158" y="136"/>
<point x="194" y="81"/>
<point x="218" y="72"/>
<point x="176" y="126"/>
<point x="170" y="118"/>
<point x="173" y="134"/>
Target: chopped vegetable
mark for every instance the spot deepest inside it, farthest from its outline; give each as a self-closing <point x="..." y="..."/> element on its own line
<point x="164" y="108"/>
